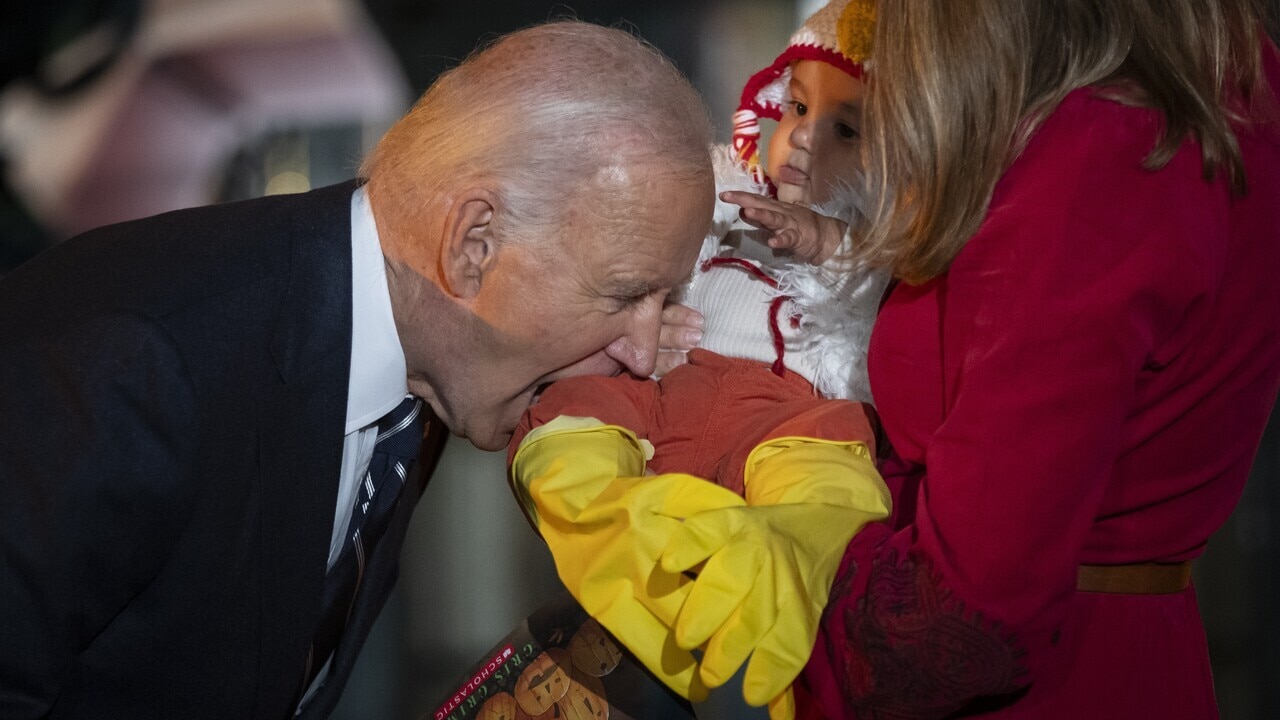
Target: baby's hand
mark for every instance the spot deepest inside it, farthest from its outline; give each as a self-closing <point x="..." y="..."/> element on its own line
<point x="681" y="332"/>
<point x="809" y="236"/>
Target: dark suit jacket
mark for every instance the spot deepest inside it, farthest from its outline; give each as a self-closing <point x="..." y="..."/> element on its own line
<point x="171" y="423"/>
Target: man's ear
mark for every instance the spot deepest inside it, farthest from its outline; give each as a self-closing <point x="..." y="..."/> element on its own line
<point x="468" y="249"/>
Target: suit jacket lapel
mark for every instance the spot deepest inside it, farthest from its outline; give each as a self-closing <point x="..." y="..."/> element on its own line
<point x="301" y="431"/>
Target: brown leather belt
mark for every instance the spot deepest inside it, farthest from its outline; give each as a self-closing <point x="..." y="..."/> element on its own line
<point x="1137" y="579"/>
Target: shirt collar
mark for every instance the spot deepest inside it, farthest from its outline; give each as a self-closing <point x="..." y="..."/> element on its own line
<point x="378" y="376"/>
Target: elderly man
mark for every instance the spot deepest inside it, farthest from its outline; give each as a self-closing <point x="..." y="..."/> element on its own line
<point x="209" y="417"/>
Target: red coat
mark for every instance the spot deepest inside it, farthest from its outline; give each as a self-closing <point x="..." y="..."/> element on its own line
<point x="1087" y="384"/>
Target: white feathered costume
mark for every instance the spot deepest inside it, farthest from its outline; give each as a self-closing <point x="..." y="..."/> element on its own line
<point x="826" y="316"/>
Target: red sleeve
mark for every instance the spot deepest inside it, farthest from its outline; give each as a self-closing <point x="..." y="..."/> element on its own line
<point x="1085" y="264"/>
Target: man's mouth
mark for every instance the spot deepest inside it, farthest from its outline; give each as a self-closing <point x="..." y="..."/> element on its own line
<point x="537" y="393"/>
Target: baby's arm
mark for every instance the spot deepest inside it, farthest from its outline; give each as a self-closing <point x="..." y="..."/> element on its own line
<point x="809" y="236"/>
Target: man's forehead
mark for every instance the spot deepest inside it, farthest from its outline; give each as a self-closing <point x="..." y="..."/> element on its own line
<point x="637" y="265"/>
<point x="652" y="242"/>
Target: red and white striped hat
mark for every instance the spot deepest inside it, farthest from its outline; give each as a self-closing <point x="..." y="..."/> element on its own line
<point x="840" y="34"/>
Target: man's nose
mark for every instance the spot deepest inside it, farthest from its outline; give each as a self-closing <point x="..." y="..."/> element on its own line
<point x="637" y="348"/>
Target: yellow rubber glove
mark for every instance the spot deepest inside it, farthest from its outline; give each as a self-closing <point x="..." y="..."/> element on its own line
<point x="582" y="484"/>
<point x="769" y="566"/>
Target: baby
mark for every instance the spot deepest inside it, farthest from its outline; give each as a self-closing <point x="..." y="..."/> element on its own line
<point x="774" y="404"/>
<point x="821" y="311"/>
<point x="787" y="318"/>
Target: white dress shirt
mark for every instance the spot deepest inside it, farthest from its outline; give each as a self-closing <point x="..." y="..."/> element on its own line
<point x="377" y="383"/>
<point x="378" y="376"/>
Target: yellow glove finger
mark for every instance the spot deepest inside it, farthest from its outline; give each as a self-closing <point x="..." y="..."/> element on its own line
<point x="700" y="537"/>
<point x="650" y="640"/>
<point x="784" y="597"/>
<point x="606" y="552"/>
<point x="617" y="561"/>
<point x="780" y="656"/>
<point x="783" y="707"/>
<point x="723" y="583"/>
<point x="628" y="526"/>
<point x="732" y="643"/>
<point x="665" y="593"/>
<point x="606" y="525"/>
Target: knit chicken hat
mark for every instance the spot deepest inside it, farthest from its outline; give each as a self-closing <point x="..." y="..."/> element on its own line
<point x="840" y="34"/>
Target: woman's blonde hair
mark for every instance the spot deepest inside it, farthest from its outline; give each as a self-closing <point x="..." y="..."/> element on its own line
<point x="961" y="85"/>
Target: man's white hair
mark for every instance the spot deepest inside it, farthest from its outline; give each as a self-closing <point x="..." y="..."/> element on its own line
<point x="547" y="115"/>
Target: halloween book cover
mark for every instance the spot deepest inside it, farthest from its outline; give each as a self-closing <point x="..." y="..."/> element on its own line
<point x="559" y="664"/>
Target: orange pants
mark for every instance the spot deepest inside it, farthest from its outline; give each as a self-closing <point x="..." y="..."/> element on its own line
<point x="706" y="416"/>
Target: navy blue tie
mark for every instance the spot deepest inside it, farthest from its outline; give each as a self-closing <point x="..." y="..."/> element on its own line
<point x="399" y="437"/>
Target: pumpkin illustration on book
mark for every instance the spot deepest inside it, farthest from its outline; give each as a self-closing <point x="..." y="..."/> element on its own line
<point x="593" y="651"/>
<point x="585" y="699"/>
<point x="502" y="706"/>
<point x="545" y="681"/>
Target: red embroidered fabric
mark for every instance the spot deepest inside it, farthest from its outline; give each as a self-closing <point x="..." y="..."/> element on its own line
<point x="916" y="651"/>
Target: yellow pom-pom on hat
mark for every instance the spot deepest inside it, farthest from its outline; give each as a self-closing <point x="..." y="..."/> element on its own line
<point x="856" y="29"/>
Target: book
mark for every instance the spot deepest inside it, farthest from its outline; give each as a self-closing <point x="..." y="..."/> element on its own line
<point x="560" y="664"/>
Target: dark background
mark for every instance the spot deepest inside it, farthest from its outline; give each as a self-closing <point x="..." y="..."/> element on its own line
<point x="472" y="567"/>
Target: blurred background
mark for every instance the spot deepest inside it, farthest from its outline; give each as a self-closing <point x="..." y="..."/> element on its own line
<point x="116" y="109"/>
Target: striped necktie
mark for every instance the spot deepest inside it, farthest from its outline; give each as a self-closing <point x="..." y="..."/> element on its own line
<point x="399" y="437"/>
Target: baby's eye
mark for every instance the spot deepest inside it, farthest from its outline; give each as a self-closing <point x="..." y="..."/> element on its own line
<point x="846" y="132"/>
<point x="801" y="109"/>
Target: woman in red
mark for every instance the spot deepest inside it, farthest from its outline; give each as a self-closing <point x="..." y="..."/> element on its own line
<point x="1082" y="201"/>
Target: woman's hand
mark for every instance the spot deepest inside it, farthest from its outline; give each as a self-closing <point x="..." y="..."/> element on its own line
<point x="681" y="332"/>
<point x="810" y="237"/>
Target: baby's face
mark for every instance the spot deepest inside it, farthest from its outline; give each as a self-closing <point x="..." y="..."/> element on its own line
<point x="816" y="144"/>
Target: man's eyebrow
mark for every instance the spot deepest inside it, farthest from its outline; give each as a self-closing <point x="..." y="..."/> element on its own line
<point x="632" y="288"/>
